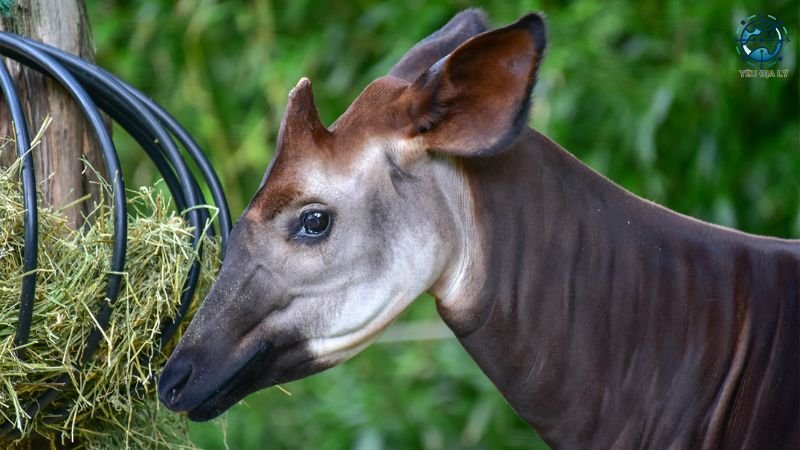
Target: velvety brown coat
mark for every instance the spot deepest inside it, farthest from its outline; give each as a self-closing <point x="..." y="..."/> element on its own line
<point x="605" y="320"/>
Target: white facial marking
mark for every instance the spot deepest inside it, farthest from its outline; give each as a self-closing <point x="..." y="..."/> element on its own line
<point x="380" y="271"/>
<point x="457" y="281"/>
<point x="392" y="238"/>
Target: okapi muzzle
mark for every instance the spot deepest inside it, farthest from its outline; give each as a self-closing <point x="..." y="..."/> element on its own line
<point x="240" y="341"/>
<point x="605" y="320"/>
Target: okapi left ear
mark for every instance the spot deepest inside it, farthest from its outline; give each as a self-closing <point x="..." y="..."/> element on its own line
<point x="475" y="101"/>
<point x="461" y="27"/>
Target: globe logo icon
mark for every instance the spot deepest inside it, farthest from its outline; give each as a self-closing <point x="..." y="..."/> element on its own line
<point x="760" y="40"/>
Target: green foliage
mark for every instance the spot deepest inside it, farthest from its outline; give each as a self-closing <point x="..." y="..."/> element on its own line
<point x="647" y="92"/>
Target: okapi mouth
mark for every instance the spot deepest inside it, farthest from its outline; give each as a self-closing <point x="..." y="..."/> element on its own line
<point x="232" y="389"/>
<point x="267" y="367"/>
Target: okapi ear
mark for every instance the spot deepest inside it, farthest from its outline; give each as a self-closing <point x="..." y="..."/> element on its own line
<point x="461" y="27"/>
<point x="475" y="101"/>
<point x="301" y="125"/>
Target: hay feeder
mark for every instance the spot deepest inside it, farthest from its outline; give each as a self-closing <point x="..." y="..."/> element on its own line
<point x="160" y="136"/>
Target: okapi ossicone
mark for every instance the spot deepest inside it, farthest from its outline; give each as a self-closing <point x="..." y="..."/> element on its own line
<point x="605" y="320"/>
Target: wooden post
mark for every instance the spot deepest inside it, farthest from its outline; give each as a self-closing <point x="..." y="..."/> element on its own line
<point x="57" y="162"/>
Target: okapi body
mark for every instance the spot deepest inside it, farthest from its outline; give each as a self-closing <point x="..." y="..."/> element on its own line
<point x="605" y="320"/>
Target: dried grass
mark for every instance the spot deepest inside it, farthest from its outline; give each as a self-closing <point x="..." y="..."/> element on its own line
<point x="112" y="402"/>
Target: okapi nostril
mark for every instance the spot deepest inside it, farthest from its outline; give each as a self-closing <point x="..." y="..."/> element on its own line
<point x="180" y="384"/>
<point x="172" y="394"/>
<point x="172" y="383"/>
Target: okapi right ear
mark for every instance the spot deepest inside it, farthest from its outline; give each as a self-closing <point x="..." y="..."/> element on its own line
<point x="461" y="27"/>
<point x="475" y="101"/>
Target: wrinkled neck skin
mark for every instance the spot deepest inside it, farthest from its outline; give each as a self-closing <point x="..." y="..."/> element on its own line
<point x="607" y="321"/>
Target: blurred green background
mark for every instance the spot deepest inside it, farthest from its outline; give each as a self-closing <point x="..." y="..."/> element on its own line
<point x="646" y="92"/>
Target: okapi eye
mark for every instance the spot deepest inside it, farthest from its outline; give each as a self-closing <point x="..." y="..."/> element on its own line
<point x="315" y="223"/>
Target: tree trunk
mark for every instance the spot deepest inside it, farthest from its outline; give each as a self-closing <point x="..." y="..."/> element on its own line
<point x="57" y="161"/>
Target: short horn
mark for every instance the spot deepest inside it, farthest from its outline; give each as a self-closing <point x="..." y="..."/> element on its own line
<point x="301" y="120"/>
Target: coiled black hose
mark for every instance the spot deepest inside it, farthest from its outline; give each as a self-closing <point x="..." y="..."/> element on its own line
<point x="159" y="135"/>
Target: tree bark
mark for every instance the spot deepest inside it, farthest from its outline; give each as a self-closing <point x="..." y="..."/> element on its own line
<point x="57" y="161"/>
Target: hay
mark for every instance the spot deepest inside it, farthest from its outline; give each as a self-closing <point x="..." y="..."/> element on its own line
<point x="112" y="402"/>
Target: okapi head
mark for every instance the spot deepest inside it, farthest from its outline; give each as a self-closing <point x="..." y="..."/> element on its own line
<point x="355" y="221"/>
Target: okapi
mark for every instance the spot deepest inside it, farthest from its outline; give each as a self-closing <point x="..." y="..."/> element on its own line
<point x="605" y="320"/>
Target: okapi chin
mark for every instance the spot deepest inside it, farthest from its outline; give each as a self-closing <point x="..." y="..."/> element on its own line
<point x="605" y="320"/>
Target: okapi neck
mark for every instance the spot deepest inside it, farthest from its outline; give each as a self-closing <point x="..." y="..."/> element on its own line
<point x="597" y="313"/>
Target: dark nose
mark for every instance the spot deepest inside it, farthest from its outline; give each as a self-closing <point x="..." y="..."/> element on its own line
<point x="172" y="382"/>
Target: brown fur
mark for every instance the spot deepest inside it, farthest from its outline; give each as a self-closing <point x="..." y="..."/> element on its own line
<point x="605" y="320"/>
